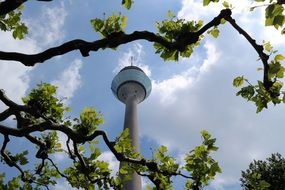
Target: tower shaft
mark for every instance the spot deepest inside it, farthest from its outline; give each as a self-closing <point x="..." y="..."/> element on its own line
<point x="131" y="122"/>
<point x="131" y="86"/>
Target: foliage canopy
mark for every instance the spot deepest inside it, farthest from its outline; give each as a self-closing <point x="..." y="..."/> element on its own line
<point x="269" y="174"/>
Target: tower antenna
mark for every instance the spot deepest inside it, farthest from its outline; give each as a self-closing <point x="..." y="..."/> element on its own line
<point x="132" y="60"/>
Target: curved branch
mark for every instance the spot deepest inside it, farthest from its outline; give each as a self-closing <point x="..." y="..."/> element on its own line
<point x="57" y="169"/>
<point x="72" y="156"/>
<point x="11" y="5"/>
<point x="77" y="138"/>
<point x="114" y="40"/>
<point x="80" y="158"/>
<point x="5" y="114"/>
<point x="8" y="159"/>
<point x="8" y="102"/>
<point x="258" y="48"/>
<point x="35" y="140"/>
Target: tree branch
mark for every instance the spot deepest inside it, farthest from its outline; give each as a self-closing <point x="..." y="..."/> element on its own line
<point x="11" y="5"/>
<point x="57" y="170"/>
<point x="9" y="161"/>
<point x="114" y="40"/>
<point x="72" y="156"/>
<point x="258" y="48"/>
<point x="5" y="114"/>
<point x="81" y="160"/>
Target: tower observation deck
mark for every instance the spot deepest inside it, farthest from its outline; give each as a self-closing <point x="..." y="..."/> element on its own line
<point x="132" y="86"/>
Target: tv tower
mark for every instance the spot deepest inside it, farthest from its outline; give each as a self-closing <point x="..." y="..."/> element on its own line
<point x="132" y="86"/>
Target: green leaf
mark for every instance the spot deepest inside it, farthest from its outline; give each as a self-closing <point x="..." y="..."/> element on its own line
<point x="226" y="4"/>
<point x="279" y="58"/>
<point x="170" y="55"/>
<point x="170" y="14"/>
<point x="127" y="3"/>
<point x="278" y="21"/>
<point x="246" y="92"/>
<point x="123" y="171"/>
<point x="223" y="21"/>
<point x="215" y="32"/>
<point x="206" y="2"/>
<point x="238" y="81"/>
<point x="280" y="73"/>
<point x="163" y="149"/>
<point x="274" y="68"/>
<point x="205" y="134"/>
<point x="81" y="148"/>
<point x="123" y="22"/>
<point x="268" y="47"/>
<point x="274" y="15"/>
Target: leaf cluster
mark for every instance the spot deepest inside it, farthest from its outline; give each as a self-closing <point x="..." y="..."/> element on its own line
<point x="44" y="102"/>
<point x="12" y="22"/>
<point x="274" y="16"/>
<point x="112" y="24"/>
<point x="172" y="30"/>
<point x="200" y="164"/>
<point x="274" y="13"/>
<point x="88" y="122"/>
<point x="10" y="185"/>
<point x="259" y="94"/>
<point x="265" y="175"/>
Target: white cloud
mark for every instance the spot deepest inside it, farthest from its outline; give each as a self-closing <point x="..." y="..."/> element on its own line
<point x="135" y="56"/>
<point x="194" y="9"/>
<point x="47" y="29"/>
<point x="167" y="89"/>
<point x="69" y="80"/>
<point x="273" y="36"/>
<point x="14" y="77"/>
<point x="251" y="21"/>
<point x="221" y="182"/>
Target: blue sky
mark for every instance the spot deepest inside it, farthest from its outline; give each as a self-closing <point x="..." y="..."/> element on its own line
<point x="187" y="96"/>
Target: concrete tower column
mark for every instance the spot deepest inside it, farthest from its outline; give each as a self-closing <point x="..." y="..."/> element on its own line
<point x="131" y="86"/>
<point x="131" y="122"/>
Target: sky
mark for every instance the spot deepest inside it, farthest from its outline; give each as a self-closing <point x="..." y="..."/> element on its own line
<point x="187" y="96"/>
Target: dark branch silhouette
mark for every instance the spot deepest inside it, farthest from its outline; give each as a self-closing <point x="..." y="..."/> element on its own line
<point x="117" y="39"/>
<point x="10" y="5"/>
